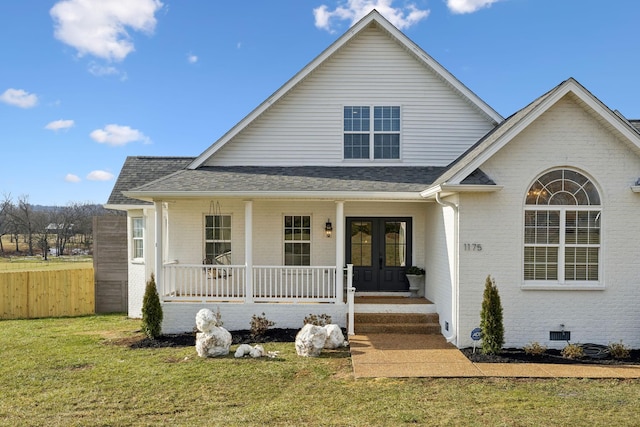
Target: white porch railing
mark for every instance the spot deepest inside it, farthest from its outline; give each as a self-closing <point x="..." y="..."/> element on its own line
<point x="192" y="282"/>
<point x="205" y="283"/>
<point x="294" y="284"/>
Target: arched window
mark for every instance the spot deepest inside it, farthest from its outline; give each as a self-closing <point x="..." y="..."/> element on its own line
<point x="562" y="229"/>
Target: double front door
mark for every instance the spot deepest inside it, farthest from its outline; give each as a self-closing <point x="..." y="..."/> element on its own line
<point x="379" y="249"/>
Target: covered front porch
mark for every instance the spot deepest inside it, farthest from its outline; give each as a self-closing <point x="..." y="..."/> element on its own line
<point x="247" y="274"/>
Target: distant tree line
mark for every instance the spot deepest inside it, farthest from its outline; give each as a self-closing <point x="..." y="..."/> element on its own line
<point x="57" y="230"/>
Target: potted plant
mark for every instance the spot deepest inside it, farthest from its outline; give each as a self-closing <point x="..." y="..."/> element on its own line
<point x="415" y="276"/>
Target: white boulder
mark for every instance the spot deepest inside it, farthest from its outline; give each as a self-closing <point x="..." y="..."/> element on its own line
<point x="243" y="349"/>
<point x="206" y="320"/>
<point x="257" y="351"/>
<point x="212" y="340"/>
<point x="335" y="337"/>
<point x="310" y="340"/>
<point x="213" y="343"/>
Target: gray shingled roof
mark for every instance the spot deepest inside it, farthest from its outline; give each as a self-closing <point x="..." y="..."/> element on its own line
<point x="141" y="170"/>
<point x="298" y="178"/>
<point x="168" y="175"/>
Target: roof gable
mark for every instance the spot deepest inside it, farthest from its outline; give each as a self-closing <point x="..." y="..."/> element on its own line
<point x="515" y="124"/>
<point x="372" y="19"/>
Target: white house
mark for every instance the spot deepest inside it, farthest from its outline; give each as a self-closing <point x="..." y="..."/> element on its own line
<point x="374" y="156"/>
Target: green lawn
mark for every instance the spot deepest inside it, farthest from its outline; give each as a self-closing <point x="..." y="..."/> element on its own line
<point x="38" y="263"/>
<point x="80" y="371"/>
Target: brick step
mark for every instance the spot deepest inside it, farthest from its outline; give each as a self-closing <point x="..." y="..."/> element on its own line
<point x="397" y="328"/>
<point x="396" y="323"/>
<point x="388" y="318"/>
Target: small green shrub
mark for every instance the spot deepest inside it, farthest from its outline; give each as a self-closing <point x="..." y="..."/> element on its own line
<point x="618" y="350"/>
<point x="260" y="325"/>
<point x="491" y="319"/>
<point x="415" y="270"/>
<point x="317" y="319"/>
<point x="535" y="349"/>
<point x="151" y="310"/>
<point x="572" y="351"/>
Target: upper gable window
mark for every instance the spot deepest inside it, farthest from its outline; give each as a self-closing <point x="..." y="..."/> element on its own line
<point x="380" y="141"/>
<point x="562" y="229"/>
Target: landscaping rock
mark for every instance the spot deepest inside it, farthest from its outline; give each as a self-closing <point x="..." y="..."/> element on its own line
<point x="206" y="320"/>
<point x="310" y="340"/>
<point x="214" y="343"/>
<point x="257" y="351"/>
<point x="212" y="340"/>
<point x="335" y="338"/>
<point x="243" y="349"/>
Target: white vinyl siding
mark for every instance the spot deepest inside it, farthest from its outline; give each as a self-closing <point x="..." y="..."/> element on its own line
<point x="305" y="126"/>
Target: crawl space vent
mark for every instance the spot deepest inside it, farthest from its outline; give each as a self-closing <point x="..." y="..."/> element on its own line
<point x="559" y="335"/>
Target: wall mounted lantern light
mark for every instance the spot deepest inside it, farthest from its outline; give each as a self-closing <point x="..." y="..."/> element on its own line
<point x="328" y="228"/>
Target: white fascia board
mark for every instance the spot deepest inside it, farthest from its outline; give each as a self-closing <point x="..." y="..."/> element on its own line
<point x="300" y="195"/>
<point x="125" y="207"/>
<point x="335" y="46"/>
<point x="570" y="85"/>
<point x="441" y="71"/>
<point x="635" y="188"/>
<point x="449" y="189"/>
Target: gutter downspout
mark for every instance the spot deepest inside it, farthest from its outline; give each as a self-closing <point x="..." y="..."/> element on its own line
<point x="454" y="287"/>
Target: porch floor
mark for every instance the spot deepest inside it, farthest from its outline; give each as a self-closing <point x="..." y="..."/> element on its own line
<point x="423" y="355"/>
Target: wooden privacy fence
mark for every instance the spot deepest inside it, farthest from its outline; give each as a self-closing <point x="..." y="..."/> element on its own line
<point x="55" y="293"/>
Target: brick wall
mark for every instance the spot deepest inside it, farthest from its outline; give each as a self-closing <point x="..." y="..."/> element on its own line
<point x="565" y="136"/>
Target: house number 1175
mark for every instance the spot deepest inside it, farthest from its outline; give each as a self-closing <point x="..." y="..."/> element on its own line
<point x="473" y="247"/>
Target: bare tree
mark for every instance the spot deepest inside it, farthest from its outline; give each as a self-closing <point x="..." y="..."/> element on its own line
<point x="5" y="207"/>
<point x="23" y="217"/>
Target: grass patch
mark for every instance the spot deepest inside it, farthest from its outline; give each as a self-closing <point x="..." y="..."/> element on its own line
<point x="38" y="263"/>
<point x="81" y="371"/>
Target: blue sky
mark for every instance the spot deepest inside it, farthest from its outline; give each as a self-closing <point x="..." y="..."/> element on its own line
<point x="86" y="83"/>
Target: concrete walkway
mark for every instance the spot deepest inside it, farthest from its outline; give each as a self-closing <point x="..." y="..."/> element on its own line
<point x="416" y="355"/>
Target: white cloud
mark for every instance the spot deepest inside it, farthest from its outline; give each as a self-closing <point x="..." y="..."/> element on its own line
<point x="99" y="175"/>
<point x="192" y="59"/>
<point x="59" y="124"/>
<point x="72" y="178"/>
<point x="468" y="6"/>
<point x="354" y="10"/>
<point x="116" y="135"/>
<point x="19" y="98"/>
<point x="100" y="28"/>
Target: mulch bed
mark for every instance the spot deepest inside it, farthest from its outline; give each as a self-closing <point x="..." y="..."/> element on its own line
<point x="239" y="337"/>
<point x="509" y="355"/>
<point x="518" y="355"/>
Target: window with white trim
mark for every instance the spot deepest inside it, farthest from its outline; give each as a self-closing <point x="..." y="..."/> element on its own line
<point x="217" y="246"/>
<point x="297" y="240"/>
<point x="363" y="141"/>
<point x="562" y="236"/>
<point x="137" y="237"/>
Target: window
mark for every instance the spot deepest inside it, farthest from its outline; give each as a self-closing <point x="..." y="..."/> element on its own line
<point x="297" y="240"/>
<point x="137" y="237"/>
<point x="385" y="132"/>
<point x="562" y="229"/>
<point x="217" y="231"/>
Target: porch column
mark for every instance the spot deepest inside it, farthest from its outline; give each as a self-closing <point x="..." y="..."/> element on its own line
<point x="248" y="249"/>
<point x="340" y="232"/>
<point x="158" y="247"/>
